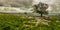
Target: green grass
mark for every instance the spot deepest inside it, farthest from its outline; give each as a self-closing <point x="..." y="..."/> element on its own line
<point x="14" y="22"/>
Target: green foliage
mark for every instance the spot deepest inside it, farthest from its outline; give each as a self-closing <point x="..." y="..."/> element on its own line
<point x="14" y="22"/>
<point x="55" y="23"/>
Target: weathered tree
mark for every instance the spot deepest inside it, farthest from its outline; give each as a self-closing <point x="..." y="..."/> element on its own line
<point x="41" y="8"/>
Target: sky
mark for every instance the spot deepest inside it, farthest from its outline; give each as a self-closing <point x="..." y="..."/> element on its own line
<point x="44" y="1"/>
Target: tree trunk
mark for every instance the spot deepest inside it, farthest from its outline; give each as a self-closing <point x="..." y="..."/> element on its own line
<point x="41" y="14"/>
